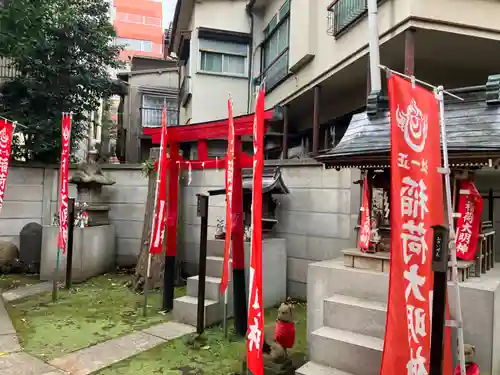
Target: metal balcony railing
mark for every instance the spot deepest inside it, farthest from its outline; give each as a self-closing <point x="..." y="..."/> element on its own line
<point x="6" y="69"/>
<point x="276" y="71"/>
<point x="343" y="13"/>
<point x="151" y="117"/>
<point x="185" y="90"/>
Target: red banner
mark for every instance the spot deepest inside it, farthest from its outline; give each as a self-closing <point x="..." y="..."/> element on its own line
<point x="470" y="207"/>
<point x="417" y="204"/>
<point x="6" y="131"/>
<point x="160" y="217"/>
<point x="365" y="229"/>
<point x="255" y="337"/>
<point x="63" y="183"/>
<point x="229" y="198"/>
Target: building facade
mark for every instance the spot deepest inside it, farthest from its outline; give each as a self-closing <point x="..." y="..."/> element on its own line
<point x="139" y="27"/>
<point x="312" y="56"/>
<point x="150" y="83"/>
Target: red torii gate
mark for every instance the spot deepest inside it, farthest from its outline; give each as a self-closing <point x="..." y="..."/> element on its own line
<point x="201" y="133"/>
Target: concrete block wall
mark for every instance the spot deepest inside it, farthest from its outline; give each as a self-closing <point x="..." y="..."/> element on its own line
<point x="32" y="193"/>
<point x="317" y="218"/>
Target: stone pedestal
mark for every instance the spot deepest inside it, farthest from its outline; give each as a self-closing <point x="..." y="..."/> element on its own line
<point x="94" y="252"/>
<point x="97" y="211"/>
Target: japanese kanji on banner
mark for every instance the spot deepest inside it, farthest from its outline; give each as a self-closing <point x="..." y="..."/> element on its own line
<point x="365" y="229"/>
<point x="6" y="131"/>
<point x="470" y="207"/>
<point x="417" y="204"/>
<point x="160" y="217"/>
<point x="229" y="197"/>
<point x="63" y="183"/>
<point x="255" y="335"/>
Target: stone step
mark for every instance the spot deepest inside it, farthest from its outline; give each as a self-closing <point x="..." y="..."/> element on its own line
<point x="357" y="315"/>
<point x="186" y="308"/>
<point x="214" y="266"/>
<point x="312" y="368"/>
<point x="346" y="351"/>
<point x="212" y="287"/>
<point x="215" y="248"/>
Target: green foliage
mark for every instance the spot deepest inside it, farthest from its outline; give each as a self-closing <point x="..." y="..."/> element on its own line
<point x="62" y="51"/>
<point x="148" y="166"/>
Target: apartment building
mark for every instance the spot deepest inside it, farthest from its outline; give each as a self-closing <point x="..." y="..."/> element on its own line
<point x="150" y="83"/>
<point x="312" y="56"/>
<point x="139" y="27"/>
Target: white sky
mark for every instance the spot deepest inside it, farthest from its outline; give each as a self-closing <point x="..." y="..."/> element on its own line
<point x="168" y="12"/>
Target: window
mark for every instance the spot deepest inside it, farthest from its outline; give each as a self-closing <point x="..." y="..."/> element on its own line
<point x="136" y="44"/>
<point x="275" y="47"/>
<point x="223" y="57"/>
<point x="139" y="19"/>
<point x="152" y="107"/>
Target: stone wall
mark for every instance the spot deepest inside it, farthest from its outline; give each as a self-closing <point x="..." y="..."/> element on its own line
<point x="32" y="193"/>
<point x="316" y="219"/>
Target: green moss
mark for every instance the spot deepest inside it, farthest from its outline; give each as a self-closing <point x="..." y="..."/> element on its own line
<point x="213" y="355"/>
<point x="97" y="310"/>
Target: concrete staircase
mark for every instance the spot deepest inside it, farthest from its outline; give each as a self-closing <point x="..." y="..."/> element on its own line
<point x="347" y="321"/>
<point x="185" y="308"/>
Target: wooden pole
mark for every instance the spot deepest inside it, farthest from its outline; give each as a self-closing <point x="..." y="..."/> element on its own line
<point x="171" y="248"/>
<point x="71" y="228"/>
<point x="202" y="264"/>
<point x="410" y="52"/>
<point x="239" y="290"/>
<point x="315" y="142"/>
<point x="285" y="131"/>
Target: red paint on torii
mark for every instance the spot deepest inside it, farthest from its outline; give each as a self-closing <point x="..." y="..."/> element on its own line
<point x="201" y="133"/>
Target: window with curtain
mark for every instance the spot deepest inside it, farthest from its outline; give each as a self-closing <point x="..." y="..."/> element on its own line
<point x="135" y="44"/>
<point x="152" y="106"/>
<point x="223" y="57"/>
<point x="275" y="47"/>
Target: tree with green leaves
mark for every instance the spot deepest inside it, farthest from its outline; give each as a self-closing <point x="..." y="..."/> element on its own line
<point x="62" y="51"/>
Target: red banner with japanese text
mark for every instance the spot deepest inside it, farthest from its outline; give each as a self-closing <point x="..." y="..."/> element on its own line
<point x="229" y="197"/>
<point x="63" y="182"/>
<point x="160" y="217"/>
<point x="6" y="132"/>
<point x="365" y="227"/>
<point x="255" y="335"/>
<point x="470" y="208"/>
<point x="417" y="204"/>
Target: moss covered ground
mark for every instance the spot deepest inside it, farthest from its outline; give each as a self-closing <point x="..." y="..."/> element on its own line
<point x="8" y="282"/>
<point x="100" y="309"/>
<point x="214" y="355"/>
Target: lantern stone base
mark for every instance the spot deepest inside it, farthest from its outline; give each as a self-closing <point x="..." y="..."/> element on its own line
<point x="346" y="315"/>
<point x="93" y="252"/>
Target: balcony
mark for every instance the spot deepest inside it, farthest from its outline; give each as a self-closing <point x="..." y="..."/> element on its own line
<point x="185" y="91"/>
<point x="151" y="117"/>
<point x="6" y="69"/>
<point x="343" y="13"/>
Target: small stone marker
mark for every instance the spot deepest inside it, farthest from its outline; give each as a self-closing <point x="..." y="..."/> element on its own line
<point x="30" y="246"/>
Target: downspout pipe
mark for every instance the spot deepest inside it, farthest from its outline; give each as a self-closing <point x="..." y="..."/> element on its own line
<point x="249" y="10"/>
<point x="373" y="46"/>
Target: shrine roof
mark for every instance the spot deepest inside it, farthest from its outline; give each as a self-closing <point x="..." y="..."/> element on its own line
<point x="272" y="182"/>
<point x="473" y="132"/>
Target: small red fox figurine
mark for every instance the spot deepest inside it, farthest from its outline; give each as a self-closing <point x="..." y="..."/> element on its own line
<point x="471" y="368"/>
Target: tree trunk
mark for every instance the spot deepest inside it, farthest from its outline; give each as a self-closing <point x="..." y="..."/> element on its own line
<point x="157" y="260"/>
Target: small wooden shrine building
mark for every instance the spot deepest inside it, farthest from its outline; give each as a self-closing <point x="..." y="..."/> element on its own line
<point x="473" y="133"/>
<point x="272" y="183"/>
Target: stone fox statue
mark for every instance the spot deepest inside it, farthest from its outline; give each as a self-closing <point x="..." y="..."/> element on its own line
<point x="471" y="367"/>
<point x="276" y="343"/>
